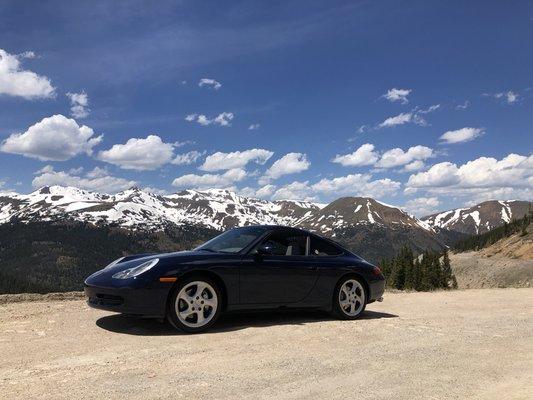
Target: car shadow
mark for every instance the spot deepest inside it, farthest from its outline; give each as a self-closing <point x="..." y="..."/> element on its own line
<point x="138" y="326"/>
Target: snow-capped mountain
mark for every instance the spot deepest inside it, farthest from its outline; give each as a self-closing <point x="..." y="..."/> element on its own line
<point x="352" y="211"/>
<point x="214" y="208"/>
<point x="138" y="209"/>
<point x="479" y="218"/>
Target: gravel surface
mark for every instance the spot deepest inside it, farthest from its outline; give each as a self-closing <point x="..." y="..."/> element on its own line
<point x="475" y="344"/>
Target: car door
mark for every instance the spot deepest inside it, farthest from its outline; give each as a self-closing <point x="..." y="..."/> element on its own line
<point x="284" y="276"/>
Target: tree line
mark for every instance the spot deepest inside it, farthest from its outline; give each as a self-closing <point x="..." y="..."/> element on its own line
<point x="480" y="241"/>
<point x="427" y="271"/>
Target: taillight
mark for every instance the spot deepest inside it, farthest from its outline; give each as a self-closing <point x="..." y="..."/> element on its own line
<point x="376" y="271"/>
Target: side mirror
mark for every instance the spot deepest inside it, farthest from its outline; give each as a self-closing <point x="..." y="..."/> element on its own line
<point x="265" y="249"/>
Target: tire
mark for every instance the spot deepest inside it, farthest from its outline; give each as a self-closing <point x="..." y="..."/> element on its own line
<point x="349" y="298"/>
<point x="195" y="304"/>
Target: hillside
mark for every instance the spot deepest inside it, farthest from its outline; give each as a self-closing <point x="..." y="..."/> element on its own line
<point x="480" y="218"/>
<point x="506" y="263"/>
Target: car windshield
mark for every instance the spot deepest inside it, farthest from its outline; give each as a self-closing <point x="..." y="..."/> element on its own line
<point x="234" y="240"/>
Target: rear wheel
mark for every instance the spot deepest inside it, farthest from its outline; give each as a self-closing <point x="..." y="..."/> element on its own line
<point x="195" y="305"/>
<point x="349" y="299"/>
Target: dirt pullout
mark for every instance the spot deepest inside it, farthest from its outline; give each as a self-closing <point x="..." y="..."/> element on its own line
<point x="22" y="297"/>
<point x="475" y="344"/>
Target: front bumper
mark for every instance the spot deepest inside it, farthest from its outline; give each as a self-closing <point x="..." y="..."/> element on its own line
<point x="146" y="302"/>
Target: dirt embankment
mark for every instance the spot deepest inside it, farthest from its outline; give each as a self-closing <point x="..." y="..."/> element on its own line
<point x="506" y="263"/>
<point x="475" y="344"/>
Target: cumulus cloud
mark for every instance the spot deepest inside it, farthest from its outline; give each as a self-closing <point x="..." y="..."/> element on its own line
<point x="357" y="185"/>
<point x="422" y="206"/>
<point x="206" y="181"/>
<point x="97" y="179"/>
<point x="461" y="135"/>
<point x="482" y="176"/>
<point x="187" y="158"/>
<point x="222" y="119"/>
<point x="237" y="159"/>
<point x="139" y="154"/>
<point x="55" y="138"/>
<point x="290" y="163"/>
<point x="414" y="166"/>
<point x="79" y="104"/>
<point x="397" y="157"/>
<point x="412" y="159"/>
<point x="254" y="127"/>
<point x="210" y="83"/>
<point x="349" y="185"/>
<point x="15" y="81"/>
<point x="400" y="95"/>
<point x="264" y="192"/>
<point x="364" y="155"/>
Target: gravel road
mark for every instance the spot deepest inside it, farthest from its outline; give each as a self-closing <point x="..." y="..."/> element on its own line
<point x="475" y="344"/>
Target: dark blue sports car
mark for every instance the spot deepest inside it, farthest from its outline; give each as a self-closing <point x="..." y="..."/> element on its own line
<point x="250" y="268"/>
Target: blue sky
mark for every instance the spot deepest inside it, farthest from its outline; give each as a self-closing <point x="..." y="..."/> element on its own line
<point x="422" y="104"/>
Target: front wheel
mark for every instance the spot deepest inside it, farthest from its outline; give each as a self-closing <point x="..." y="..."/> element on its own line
<point x="349" y="300"/>
<point x="195" y="305"/>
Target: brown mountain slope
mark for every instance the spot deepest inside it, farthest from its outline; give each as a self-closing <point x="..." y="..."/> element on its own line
<point x="506" y="263"/>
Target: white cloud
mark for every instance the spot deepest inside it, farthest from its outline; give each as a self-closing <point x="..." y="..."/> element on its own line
<point x="415" y="116"/>
<point x="414" y="166"/>
<point x="357" y="185"/>
<point x="290" y="163"/>
<point x="222" y="119"/>
<point x="461" y="135"/>
<point x="139" y="154"/>
<point x="509" y="97"/>
<point x="397" y="157"/>
<point x="463" y="106"/>
<point x="483" y="177"/>
<point x="187" y="158"/>
<point x="422" y="206"/>
<point x="399" y="119"/>
<point x="254" y="127"/>
<point x="237" y="159"/>
<point x="79" y="103"/>
<point x="210" y="83"/>
<point x="206" y="181"/>
<point x="55" y="138"/>
<point x="364" y="155"/>
<point x="295" y="191"/>
<point x="398" y="95"/>
<point x="349" y="185"/>
<point x="264" y="192"/>
<point x="15" y="81"/>
<point x="98" y="180"/>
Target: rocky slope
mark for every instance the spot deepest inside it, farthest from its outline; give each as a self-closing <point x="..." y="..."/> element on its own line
<point x="506" y="263"/>
<point x="480" y="218"/>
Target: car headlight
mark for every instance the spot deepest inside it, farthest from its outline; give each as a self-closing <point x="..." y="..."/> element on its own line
<point x="114" y="263"/>
<point x="135" y="271"/>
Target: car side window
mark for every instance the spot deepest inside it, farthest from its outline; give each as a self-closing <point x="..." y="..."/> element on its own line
<point x="287" y="244"/>
<point x="323" y="248"/>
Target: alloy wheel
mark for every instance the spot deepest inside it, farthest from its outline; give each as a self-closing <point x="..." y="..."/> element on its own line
<point x="351" y="297"/>
<point x="196" y="304"/>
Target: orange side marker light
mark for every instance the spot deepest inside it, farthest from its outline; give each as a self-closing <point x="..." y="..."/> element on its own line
<point x="168" y="279"/>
